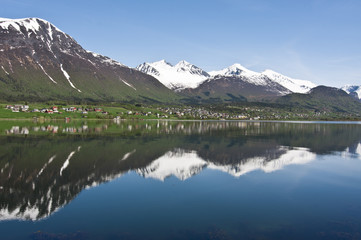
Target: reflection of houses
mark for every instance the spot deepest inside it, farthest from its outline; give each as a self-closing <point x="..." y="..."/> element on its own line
<point x="18" y="130"/>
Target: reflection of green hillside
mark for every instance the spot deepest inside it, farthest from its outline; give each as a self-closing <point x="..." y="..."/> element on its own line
<point x="114" y="149"/>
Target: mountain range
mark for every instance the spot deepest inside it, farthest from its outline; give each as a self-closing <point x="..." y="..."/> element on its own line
<point x="39" y="62"/>
<point x="232" y="83"/>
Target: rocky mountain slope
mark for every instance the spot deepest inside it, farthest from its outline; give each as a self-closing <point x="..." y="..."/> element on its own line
<point x="39" y="62"/>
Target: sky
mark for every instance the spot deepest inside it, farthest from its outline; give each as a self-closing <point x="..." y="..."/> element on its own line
<point x="316" y="40"/>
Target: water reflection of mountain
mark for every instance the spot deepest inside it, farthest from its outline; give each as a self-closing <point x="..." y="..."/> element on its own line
<point x="40" y="174"/>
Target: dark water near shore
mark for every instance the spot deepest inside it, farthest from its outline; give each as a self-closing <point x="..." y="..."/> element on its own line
<point x="180" y="180"/>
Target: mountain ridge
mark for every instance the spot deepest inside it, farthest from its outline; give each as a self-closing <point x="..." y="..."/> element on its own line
<point x="39" y="62"/>
<point x="235" y="70"/>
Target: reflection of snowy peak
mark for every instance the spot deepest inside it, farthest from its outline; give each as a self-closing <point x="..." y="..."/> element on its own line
<point x="178" y="163"/>
<point x="294" y="156"/>
<point x="183" y="165"/>
<point x="182" y="75"/>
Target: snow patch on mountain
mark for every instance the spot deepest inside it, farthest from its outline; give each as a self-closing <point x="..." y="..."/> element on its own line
<point x="177" y="77"/>
<point x="68" y="77"/>
<point x="47" y="73"/>
<point x="128" y="84"/>
<point x="5" y="70"/>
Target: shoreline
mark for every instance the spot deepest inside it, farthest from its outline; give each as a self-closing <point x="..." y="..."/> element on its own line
<point x="195" y="120"/>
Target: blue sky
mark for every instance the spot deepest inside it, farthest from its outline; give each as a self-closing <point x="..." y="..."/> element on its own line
<point x="317" y="40"/>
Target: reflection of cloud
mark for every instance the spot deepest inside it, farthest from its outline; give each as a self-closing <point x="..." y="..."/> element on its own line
<point x="183" y="165"/>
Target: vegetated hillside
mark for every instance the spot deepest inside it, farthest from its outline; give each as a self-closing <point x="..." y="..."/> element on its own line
<point x="38" y="62"/>
<point x="324" y="98"/>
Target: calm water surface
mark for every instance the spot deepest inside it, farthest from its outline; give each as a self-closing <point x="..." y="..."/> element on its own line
<point x="180" y="180"/>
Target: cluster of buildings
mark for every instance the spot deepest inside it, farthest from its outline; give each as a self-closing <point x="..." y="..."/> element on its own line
<point x="18" y="108"/>
<point x="54" y="109"/>
<point x="201" y="113"/>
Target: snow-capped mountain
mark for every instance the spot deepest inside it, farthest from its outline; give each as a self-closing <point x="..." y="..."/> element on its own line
<point x="39" y="62"/>
<point x="237" y="70"/>
<point x="353" y="89"/>
<point x="185" y="75"/>
<point x="177" y="77"/>
<point x="294" y="85"/>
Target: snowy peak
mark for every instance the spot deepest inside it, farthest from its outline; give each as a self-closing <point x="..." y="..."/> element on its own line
<point x="353" y="89"/>
<point x="180" y="76"/>
<point x="184" y="66"/>
<point x="234" y="70"/>
<point x="29" y="26"/>
<point x="294" y="85"/>
<point x="237" y="70"/>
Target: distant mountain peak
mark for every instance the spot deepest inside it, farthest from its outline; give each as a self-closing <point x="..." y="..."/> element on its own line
<point x="355" y="90"/>
<point x="234" y="70"/>
<point x="180" y="76"/>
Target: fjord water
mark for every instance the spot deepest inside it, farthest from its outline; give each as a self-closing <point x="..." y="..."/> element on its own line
<point x="180" y="180"/>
